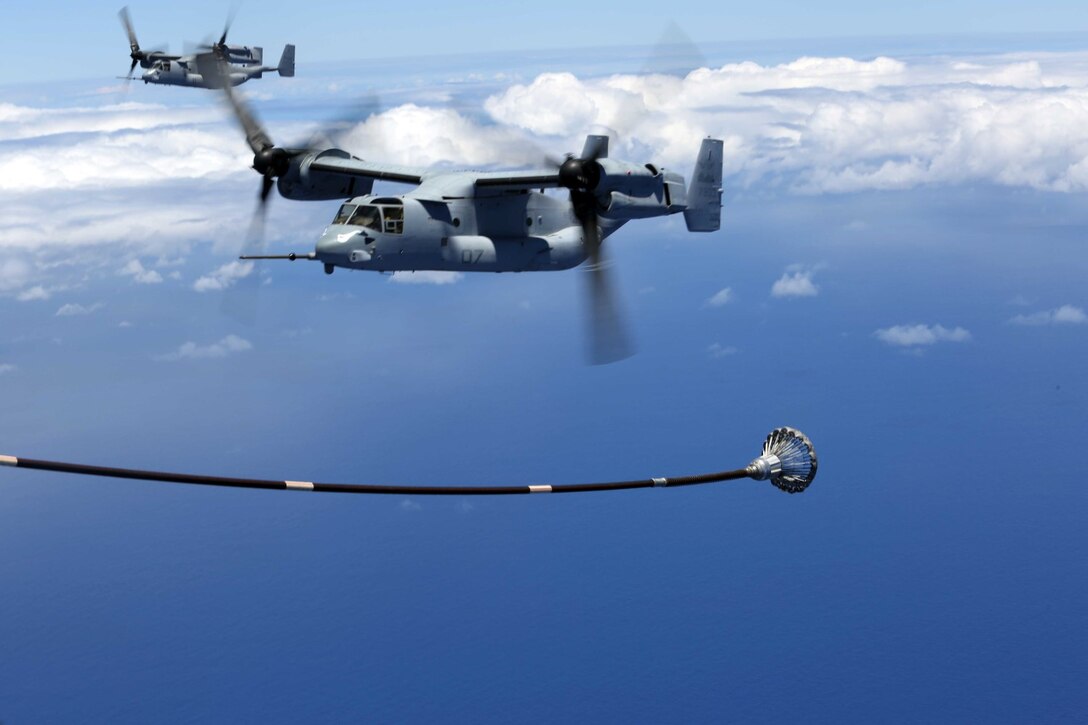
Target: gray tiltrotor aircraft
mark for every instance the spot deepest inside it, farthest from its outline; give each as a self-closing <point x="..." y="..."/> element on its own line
<point x="240" y="63"/>
<point x="475" y="221"/>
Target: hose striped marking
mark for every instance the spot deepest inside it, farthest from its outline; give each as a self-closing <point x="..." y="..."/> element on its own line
<point x="299" y="485"/>
<point x="540" y="489"/>
<point x="9" y="461"/>
<point x="659" y="482"/>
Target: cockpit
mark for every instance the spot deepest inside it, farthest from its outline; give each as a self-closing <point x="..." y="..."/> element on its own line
<point x="381" y="215"/>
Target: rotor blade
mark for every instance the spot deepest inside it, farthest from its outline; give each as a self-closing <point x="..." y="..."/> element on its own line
<point x="266" y="187"/>
<point x="126" y="21"/>
<point x="331" y="132"/>
<point x="230" y="21"/>
<point x="132" y="68"/>
<point x="210" y="66"/>
<point x="608" y="340"/>
<point x="596" y="147"/>
<point x="240" y="299"/>
<point x="674" y="54"/>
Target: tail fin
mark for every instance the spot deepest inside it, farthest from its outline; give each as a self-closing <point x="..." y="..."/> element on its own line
<point x="704" y="212"/>
<point x="287" y="62"/>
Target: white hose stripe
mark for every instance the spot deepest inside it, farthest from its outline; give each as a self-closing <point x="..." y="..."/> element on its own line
<point x="9" y="461"/>
<point x="300" y="485"/>
<point x="659" y="482"/>
<point x="540" y="489"/>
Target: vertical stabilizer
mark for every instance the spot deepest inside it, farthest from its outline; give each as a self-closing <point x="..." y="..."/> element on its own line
<point x="287" y="62"/>
<point x="704" y="212"/>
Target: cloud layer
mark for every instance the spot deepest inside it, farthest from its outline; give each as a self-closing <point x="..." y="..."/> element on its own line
<point x="1064" y="315"/>
<point x="921" y="335"/>
<point x="149" y="180"/>
<point x="229" y="345"/>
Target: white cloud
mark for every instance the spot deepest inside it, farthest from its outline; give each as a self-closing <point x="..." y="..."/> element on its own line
<point x="6" y="368"/>
<point x="78" y="310"/>
<point x="229" y="345"/>
<point x="224" y="277"/>
<point x="719" y="351"/>
<point x="438" y="278"/>
<point x="795" y="284"/>
<point x="138" y="273"/>
<point x="720" y="298"/>
<point x="839" y="124"/>
<point x="410" y="505"/>
<point x="1064" y="315"/>
<point x="14" y="273"/>
<point x="917" y="335"/>
<point x="33" y="294"/>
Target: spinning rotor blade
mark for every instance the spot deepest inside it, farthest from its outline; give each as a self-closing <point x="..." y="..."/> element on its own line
<point x="608" y="340"/>
<point x="222" y="44"/>
<point x="126" y="21"/>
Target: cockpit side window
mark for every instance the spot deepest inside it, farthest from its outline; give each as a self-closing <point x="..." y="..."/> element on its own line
<point x="344" y="214"/>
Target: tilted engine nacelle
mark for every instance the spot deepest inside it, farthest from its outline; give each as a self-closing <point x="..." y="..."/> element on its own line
<point x="667" y="195"/>
<point x="302" y="183"/>
<point x="628" y="179"/>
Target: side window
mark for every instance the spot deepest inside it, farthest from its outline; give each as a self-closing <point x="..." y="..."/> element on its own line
<point x="394" y="219"/>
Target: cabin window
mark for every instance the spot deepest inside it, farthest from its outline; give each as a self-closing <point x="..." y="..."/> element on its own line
<point x="394" y="219"/>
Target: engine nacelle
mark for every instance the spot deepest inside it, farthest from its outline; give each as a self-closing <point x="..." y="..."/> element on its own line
<point x="302" y="184"/>
<point x="622" y="206"/>
<point x="628" y="179"/>
<point x="669" y="197"/>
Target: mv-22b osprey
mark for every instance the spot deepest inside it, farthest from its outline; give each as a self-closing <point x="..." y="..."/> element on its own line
<point x="238" y="63"/>
<point x="474" y="221"/>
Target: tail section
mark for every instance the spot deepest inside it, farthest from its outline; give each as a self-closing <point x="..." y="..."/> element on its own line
<point x="704" y="212"/>
<point x="287" y="62"/>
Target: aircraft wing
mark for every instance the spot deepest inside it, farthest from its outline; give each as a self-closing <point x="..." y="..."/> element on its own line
<point x="531" y="179"/>
<point x="351" y="166"/>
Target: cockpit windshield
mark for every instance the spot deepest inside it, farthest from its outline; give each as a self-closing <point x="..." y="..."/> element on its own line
<point x="370" y="216"/>
<point x="344" y="214"/>
<point x="367" y="216"/>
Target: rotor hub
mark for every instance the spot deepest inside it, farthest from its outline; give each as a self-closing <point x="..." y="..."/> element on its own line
<point x="575" y="173"/>
<point x="271" y="161"/>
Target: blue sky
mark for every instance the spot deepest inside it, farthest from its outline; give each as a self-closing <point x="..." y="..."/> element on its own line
<point x="899" y="274"/>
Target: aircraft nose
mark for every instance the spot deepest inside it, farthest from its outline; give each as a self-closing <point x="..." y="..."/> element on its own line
<point x="342" y="245"/>
<point x="328" y="246"/>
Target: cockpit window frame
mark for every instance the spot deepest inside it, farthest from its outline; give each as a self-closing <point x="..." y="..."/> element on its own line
<point x="344" y="213"/>
<point x="384" y="216"/>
